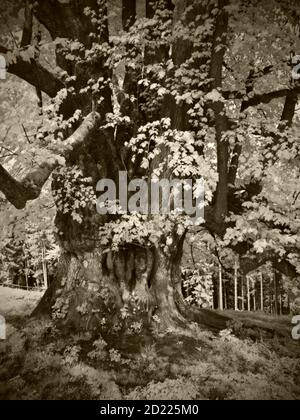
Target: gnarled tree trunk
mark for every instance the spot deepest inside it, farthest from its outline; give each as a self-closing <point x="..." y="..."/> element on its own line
<point x="111" y="291"/>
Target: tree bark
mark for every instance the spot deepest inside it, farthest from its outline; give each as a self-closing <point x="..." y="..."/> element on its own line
<point x="44" y="266"/>
<point x="248" y="295"/>
<point x="254" y="295"/>
<point x="275" y="277"/>
<point x="221" y="306"/>
<point x="243" y="294"/>
<point x="111" y="292"/>
<point x="236" y="286"/>
<point x="261" y="292"/>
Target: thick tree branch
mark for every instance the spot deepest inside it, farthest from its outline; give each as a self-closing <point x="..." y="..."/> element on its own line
<point x="250" y="263"/>
<point x="34" y="73"/>
<point x="263" y="98"/>
<point x="286" y="121"/>
<point x="29" y="188"/>
<point x="266" y="98"/>
<point x="287" y="116"/>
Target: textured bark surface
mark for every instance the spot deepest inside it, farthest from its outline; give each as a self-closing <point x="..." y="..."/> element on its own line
<point x="110" y="291"/>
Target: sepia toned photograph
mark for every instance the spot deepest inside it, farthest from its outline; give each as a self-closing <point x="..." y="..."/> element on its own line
<point x="149" y="203"/>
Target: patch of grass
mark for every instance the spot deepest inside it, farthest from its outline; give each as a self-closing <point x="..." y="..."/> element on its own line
<point x="180" y="365"/>
<point x="16" y="303"/>
<point x="38" y="361"/>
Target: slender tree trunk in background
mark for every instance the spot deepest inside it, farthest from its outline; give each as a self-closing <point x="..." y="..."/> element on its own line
<point x="44" y="264"/>
<point x="271" y="300"/>
<point x="248" y="295"/>
<point x="281" y="297"/>
<point x="280" y="304"/>
<point x="26" y="275"/>
<point x="210" y="277"/>
<point x="225" y="296"/>
<point x="254" y="295"/>
<point x="243" y="294"/>
<point x="275" y="279"/>
<point x="221" y="307"/>
<point x="261" y="292"/>
<point x="236" y="306"/>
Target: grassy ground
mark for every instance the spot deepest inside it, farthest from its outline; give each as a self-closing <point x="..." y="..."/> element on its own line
<point x="16" y="302"/>
<point x="39" y="362"/>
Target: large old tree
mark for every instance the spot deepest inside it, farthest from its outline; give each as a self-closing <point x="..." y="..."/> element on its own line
<point x="190" y="88"/>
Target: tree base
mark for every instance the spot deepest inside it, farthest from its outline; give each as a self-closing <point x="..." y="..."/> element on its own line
<point x="114" y="293"/>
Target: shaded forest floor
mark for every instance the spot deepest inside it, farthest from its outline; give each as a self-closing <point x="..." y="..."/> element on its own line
<point x="38" y="362"/>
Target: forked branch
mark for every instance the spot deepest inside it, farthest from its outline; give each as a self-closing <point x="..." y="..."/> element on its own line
<point x="29" y="188"/>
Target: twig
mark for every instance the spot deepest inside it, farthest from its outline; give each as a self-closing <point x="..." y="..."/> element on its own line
<point x="25" y="132"/>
